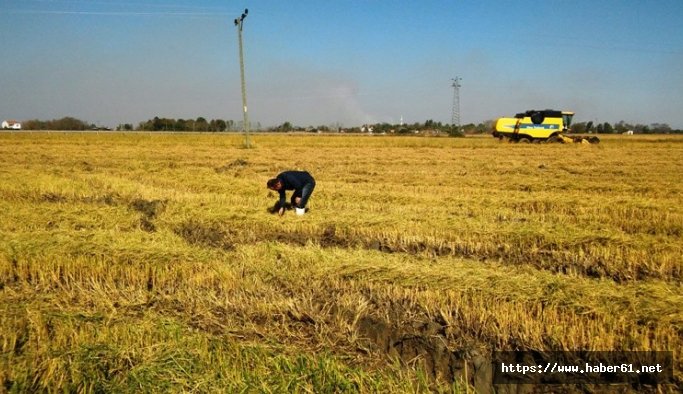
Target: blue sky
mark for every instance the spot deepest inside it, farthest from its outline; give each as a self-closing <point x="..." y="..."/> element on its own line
<point x="341" y="62"/>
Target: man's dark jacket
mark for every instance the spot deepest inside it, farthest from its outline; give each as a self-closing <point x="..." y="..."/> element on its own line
<point x="294" y="180"/>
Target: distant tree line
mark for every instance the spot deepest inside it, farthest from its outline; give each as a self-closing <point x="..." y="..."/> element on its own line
<point x="66" y="123"/>
<point x="199" y="124"/>
<point x="484" y="127"/>
<point x="623" y="127"/>
<point x="429" y="126"/>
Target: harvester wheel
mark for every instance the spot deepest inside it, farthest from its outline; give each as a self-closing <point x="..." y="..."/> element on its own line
<point x="594" y="140"/>
<point x="555" y="139"/>
<point x="524" y="140"/>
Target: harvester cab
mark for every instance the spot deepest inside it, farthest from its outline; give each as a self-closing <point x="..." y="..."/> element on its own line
<point x="539" y="126"/>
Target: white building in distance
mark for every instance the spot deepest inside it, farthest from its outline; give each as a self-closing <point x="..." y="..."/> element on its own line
<point x="11" y="124"/>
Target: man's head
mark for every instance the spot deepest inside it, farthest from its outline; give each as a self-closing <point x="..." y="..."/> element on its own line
<point x="274" y="184"/>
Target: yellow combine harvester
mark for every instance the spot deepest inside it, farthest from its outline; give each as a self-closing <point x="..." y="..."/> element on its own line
<point x="539" y="126"/>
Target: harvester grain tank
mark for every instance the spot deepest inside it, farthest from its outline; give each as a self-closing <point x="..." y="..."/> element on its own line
<point x="539" y="126"/>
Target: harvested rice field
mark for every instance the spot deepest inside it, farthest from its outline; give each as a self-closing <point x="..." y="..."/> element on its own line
<point x="147" y="262"/>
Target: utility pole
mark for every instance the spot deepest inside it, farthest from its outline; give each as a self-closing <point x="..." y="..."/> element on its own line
<point x="455" y="116"/>
<point x="238" y="22"/>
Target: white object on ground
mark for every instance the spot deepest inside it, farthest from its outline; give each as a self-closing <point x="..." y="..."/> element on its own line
<point x="300" y="211"/>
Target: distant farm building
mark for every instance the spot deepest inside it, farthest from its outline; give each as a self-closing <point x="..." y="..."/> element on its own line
<point x="11" y="124"/>
<point x="629" y="132"/>
<point x="366" y="129"/>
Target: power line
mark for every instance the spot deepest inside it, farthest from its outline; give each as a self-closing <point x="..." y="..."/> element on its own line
<point x="115" y="8"/>
<point x="120" y="13"/>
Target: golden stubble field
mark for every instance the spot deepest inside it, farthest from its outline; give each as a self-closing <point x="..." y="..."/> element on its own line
<point x="148" y="262"/>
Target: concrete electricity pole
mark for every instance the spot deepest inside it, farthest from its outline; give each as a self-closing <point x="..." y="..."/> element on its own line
<point x="238" y="22"/>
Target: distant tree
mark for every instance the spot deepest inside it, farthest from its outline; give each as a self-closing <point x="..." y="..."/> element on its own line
<point x="201" y="124"/>
<point x="383" y="128"/>
<point x="578" y="127"/>
<point x="469" y="128"/>
<point x="638" y="128"/>
<point x="217" y="125"/>
<point x="168" y="124"/>
<point x="157" y="124"/>
<point x="67" y="123"/>
<point x="485" y="126"/>
<point x="660" y="128"/>
<point x="455" y="131"/>
<point x="607" y="128"/>
<point x="180" y="125"/>
<point x="34" y="124"/>
<point x="589" y="127"/>
<point x="622" y="127"/>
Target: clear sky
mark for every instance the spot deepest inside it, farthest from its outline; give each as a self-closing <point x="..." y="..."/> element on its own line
<point x="341" y="62"/>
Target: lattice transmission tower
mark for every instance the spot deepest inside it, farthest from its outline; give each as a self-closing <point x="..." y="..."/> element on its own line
<point x="455" y="115"/>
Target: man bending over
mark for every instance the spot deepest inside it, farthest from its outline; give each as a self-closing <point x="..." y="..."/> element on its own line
<point x="300" y="181"/>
